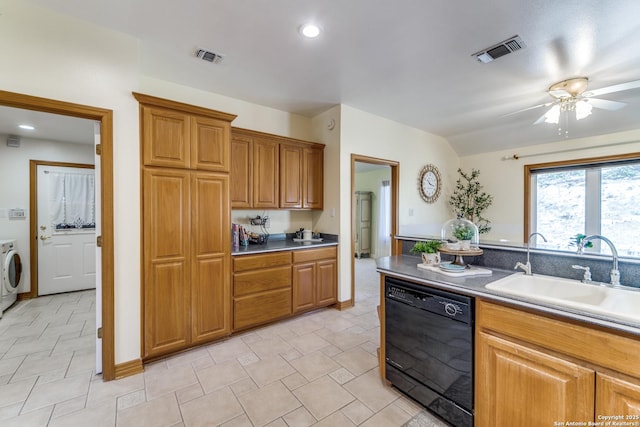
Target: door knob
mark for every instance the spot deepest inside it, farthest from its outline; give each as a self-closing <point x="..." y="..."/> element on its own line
<point x="43" y="237"/>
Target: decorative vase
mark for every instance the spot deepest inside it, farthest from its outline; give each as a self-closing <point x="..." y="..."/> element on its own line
<point x="465" y="245"/>
<point x="431" y="259"/>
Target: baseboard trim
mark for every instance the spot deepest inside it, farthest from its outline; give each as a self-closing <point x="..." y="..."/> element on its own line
<point x="24" y="296"/>
<point x="129" y="368"/>
<point x="343" y="305"/>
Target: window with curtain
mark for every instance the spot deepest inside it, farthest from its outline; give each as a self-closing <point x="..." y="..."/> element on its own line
<point x="72" y="200"/>
<point x="384" y="219"/>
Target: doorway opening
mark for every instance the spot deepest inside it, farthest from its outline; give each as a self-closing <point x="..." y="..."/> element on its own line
<point x="374" y="217"/>
<point x="106" y="267"/>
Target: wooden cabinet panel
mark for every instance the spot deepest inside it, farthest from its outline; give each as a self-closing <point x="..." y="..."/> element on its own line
<point x="307" y="255"/>
<point x="327" y="282"/>
<point x="290" y="176"/>
<point x="261" y="308"/>
<point x="521" y="386"/>
<point x="313" y="178"/>
<point x="166" y="260"/>
<point x="252" y="262"/>
<point x="315" y="278"/>
<point x="266" y="155"/>
<point x="210" y="284"/>
<point x="210" y="148"/>
<point x="241" y="173"/>
<point x="304" y="284"/>
<point x="165" y="138"/>
<point x="617" y="397"/>
<point x="262" y="280"/>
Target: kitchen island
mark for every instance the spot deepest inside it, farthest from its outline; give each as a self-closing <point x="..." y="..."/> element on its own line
<point x="535" y="364"/>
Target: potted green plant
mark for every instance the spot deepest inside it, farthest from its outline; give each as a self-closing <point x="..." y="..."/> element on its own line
<point x="428" y="250"/>
<point x="470" y="201"/>
<point x="464" y="233"/>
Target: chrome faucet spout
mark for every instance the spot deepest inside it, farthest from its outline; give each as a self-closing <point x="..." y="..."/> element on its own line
<point x="615" y="273"/>
<point x="527" y="267"/>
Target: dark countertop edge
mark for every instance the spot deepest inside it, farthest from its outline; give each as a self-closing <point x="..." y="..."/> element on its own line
<point x="280" y="245"/>
<point x="475" y="288"/>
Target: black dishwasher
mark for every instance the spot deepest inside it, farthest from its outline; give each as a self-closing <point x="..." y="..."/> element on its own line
<point x="429" y="348"/>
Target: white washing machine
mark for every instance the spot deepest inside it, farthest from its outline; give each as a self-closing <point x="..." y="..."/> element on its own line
<point x="11" y="274"/>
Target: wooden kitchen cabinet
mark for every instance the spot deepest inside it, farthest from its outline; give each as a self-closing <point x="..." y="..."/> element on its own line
<point x="261" y="288"/>
<point x="615" y="396"/>
<point x="241" y="171"/>
<point x="313" y="178"/>
<point x="266" y="166"/>
<point x="275" y="172"/>
<point x="177" y="139"/>
<point x="524" y="387"/>
<point x="533" y="369"/>
<point x="186" y="226"/>
<point x="186" y="273"/>
<point x="315" y="277"/>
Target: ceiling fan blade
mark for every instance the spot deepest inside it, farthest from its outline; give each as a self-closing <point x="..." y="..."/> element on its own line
<point x="606" y="104"/>
<point x="527" y="109"/>
<point x="541" y="119"/>
<point x="610" y="89"/>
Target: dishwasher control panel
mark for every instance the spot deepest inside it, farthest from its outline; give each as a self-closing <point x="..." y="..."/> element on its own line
<point x="433" y="300"/>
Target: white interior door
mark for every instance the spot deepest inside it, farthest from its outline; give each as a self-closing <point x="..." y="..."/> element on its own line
<point x="66" y="256"/>
<point x="98" y="275"/>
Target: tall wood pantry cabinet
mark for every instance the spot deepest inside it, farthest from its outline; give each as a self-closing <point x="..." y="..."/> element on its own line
<point x="185" y="225"/>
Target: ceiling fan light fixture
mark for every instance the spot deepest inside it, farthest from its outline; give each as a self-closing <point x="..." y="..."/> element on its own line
<point x="569" y="88"/>
<point x="583" y="109"/>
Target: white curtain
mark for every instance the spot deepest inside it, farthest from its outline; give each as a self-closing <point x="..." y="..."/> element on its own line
<point x="72" y="199"/>
<point x="384" y="220"/>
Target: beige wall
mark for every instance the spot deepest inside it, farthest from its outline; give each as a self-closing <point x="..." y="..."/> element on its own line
<point x="504" y="179"/>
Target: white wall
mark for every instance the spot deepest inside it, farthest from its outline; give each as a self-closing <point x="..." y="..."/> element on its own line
<point x="369" y="135"/>
<point x="504" y="179"/>
<point x="14" y="187"/>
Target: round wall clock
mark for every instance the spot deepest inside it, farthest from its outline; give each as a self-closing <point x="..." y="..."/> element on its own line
<point x="429" y="183"/>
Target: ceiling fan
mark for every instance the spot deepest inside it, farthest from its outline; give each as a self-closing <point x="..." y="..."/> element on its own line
<point x="571" y="95"/>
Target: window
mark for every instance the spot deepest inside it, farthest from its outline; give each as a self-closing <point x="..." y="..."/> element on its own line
<point x="589" y="196"/>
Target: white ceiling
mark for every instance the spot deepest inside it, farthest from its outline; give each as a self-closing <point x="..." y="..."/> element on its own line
<point x="406" y="60"/>
<point x="48" y="127"/>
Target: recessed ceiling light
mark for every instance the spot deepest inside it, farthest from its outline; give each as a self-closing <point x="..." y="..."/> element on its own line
<point x="26" y="127"/>
<point x="310" y="30"/>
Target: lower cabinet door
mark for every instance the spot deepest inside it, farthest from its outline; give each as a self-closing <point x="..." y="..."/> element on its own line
<point x="520" y="386"/>
<point x="304" y="276"/>
<point x="327" y="283"/>
<point x="617" y="397"/>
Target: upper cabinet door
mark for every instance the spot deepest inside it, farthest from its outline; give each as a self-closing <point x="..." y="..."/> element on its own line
<point x="313" y="178"/>
<point x="165" y="138"/>
<point x="210" y="144"/>
<point x="241" y="172"/>
<point x="266" y="155"/>
<point x="290" y="176"/>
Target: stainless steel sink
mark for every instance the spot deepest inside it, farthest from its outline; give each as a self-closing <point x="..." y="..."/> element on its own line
<point x="602" y="300"/>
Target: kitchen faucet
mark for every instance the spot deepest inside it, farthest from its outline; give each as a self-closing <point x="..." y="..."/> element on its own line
<point x="615" y="273"/>
<point x="527" y="267"/>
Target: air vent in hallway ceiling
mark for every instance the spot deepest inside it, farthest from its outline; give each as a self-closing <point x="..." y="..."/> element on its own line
<point x="206" y="55"/>
<point x="496" y="51"/>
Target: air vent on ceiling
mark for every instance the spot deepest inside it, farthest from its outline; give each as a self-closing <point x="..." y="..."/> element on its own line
<point x="496" y="51"/>
<point x="206" y="55"/>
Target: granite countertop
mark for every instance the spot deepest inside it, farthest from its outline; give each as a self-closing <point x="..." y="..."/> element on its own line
<point x="282" y="242"/>
<point x="405" y="266"/>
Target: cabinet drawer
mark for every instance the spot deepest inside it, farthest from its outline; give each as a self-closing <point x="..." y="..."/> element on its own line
<point x="253" y="262"/>
<point x="307" y="255"/>
<point x="261" y="308"/>
<point x="262" y="280"/>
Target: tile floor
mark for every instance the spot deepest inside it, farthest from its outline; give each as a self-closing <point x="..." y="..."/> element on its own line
<point x="317" y="369"/>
